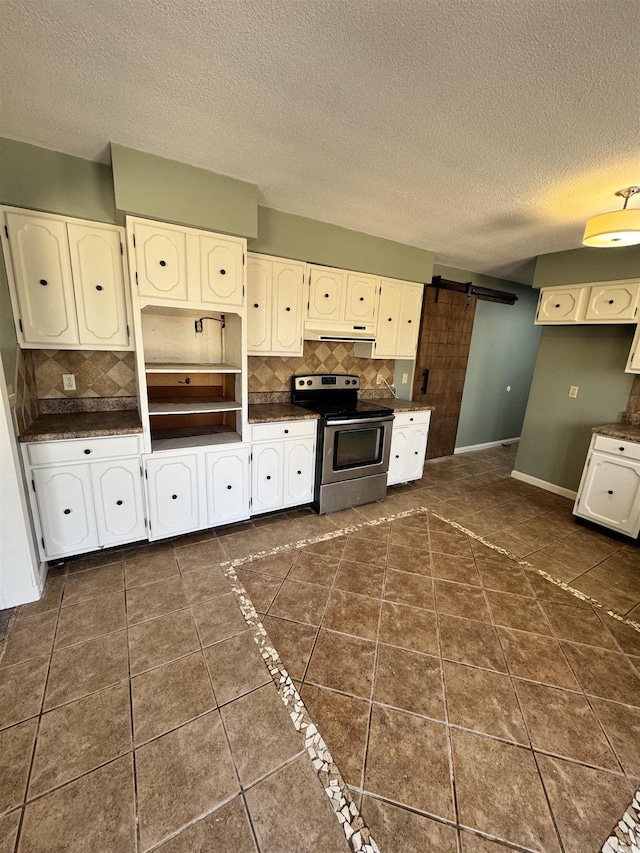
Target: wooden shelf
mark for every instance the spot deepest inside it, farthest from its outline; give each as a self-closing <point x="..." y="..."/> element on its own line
<point x="193" y="407"/>
<point x="181" y="439"/>
<point x="166" y="367"/>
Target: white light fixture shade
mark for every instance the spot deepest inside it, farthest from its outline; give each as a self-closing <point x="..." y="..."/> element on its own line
<point x="618" y="228"/>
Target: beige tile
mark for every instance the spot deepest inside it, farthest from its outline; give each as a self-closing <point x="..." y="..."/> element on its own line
<point x="226" y="830"/>
<point x="78" y="737"/>
<point x="169" y="696"/>
<point x="81" y="622"/>
<point x="29" y="638"/>
<point x="182" y="775"/>
<point x="155" y="599"/>
<point x="352" y="614"/>
<point x="92" y="583"/>
<point x="21" y="690"/>
<point x="235" y="666"/>
<point x="162" y="640"/>
<point x="327" y="666"/>
<point x="400" y="829"/>
<point x="410" y="681"/>
<point x="16" y="749"/>
<point x="409" y="628"/>
<point x="218" y="619"/>
<point x="98" y="809"/>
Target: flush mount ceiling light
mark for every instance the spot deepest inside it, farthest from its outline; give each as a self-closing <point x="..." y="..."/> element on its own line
<point x="618" y="228"/>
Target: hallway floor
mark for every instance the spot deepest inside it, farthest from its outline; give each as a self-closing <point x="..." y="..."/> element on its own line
<point x="452" y="699"/>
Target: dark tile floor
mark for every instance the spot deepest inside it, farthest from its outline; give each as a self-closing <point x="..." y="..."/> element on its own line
<point x="470" y="704"/>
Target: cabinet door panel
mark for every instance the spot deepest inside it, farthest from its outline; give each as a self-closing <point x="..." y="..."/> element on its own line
<point x="66" y="509"/>
<point x="610" y="494"/>
<point x="361" y="298"/>
<point x="612" y="303"/>
<point x="161" y="262"/>
<point x="267" y="474"/>
<point x="564" y="305"/>
<point x="221" y="271"/>
<point x="287" y="308"/>
<point x="259" y="277"/>
<point x="117" y="490"/>
<point x="388" y="318"/>
<point x="299" y="472"/>
<point x="409" y="326"/>
<point x="40" y="255"/>
<point x="173" y="495"/>
<point x="228" y="486"/>
<point x="326" y="295"/>
<point x="96" y="263"/>
<point x="398" y="456"/>
<point x="416" y="449"/>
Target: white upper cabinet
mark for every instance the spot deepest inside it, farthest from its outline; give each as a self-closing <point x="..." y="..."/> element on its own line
<point x="612" y="303"/>
<point x="360" y="305"/>
<point x="67" y="281"/>
<point x="161" y="261"/>
<point x="222" y="279"/>
<point x="561" y="304"/>
<point x="409" y="321"/>
<point x="389" y="313"/>
<point x="42" y="275"/>
<point x="594" y="302"/>
<point x="326" y="294"/>
<point x="275" y="305"/>
<point x="96" y="262"/>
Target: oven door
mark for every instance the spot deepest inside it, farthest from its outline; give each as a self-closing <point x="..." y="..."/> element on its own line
<point x="356" y="448"/>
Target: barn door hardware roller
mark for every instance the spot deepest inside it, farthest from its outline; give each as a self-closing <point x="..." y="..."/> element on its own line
<point x="488" y="294"/>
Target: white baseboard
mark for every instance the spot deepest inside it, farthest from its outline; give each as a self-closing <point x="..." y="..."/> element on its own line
<point x="471" y="447"/>
<point x="544" y="484"/>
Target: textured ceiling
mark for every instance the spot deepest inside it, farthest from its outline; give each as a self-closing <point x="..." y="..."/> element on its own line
<point x="486" y="130"/>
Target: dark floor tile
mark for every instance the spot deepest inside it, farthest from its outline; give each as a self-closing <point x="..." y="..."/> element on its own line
<point x="29" y="638"/>
<point x="517" y="611"/>
<point x="200" y="556"/>
<point x="408" y="628"/>
<point x="352" y="614"/>
<point x="290" y="811"/>
<point x="49" y="600"/>
<point x="169" y="696"/>
<point x="21" y="689"/>
<point x="622" y="727"/>
<point x="627" y="637"/>
<point x="394" y="828"/>
<point x="293" y="641"/>
<point x="536" y="658"/>
<point x="239" y="545"/>
<point x="94" y="618"/>
<point x="16" y="749"/>
<point x="459" y="569"/>
<point x="586" y="803"/>
<point x="162" y="640"/>
<point x="503" y="578"/>
<point x="580" y="625"/>
<point x="9" y="825"/>
<point x="477" y="844"/>
<point x="621" y="572"/>
<point x="181" y="776"/>
<point x="261" y="589"/>
<point x="235" y="666"/>
<point x="447" y="543"/>
<point x="605" y="674"/>
<point x="328" y="547"/>
<point x="471" y="642"/>
<point x="226" y="830"/>
<point x="82" y="669"/>
<point x="607" y="596"/>
<point x="302" y="602"/>
<point x="408" y="588"/>
<point x="360" y="578"/>
<point x="342" y="663"/>
<point x="98" y="809"/>
<point x="483" y="701"/>
<point x="408" y="761"/>
<point x="343" y="722"/>
<point x="93" y="583"/>
<point x="202" y="584"/>
<point x="314" y="568"/>
<point x="545" y="590"/>
<point x="78" y="737"/>
<point x="277" y="565"/>
<point x="409" y="560"/>
<point x="409" y="536"/>
<point x="260" y="732"/>
<point x="410" y="681"/>
<point x="363" y="551"/>
<point x="146" y="565"/>
<point x="462" y="600"/>
<point x="372" y="532"/>
<point x="218" y="619"/>
<point x="155" y="599"/>
<point x="499" y="792"/>
<point x="484" y="552"/>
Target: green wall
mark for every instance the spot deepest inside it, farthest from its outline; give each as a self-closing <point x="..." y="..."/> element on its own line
<point x="303" y="239"/>
<point x="587" y="264"/>
<point x="147" y="185"/>
<point x="557" y="428"/>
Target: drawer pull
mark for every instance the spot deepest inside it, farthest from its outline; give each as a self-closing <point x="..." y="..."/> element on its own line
<point x="287" y="308"/>
<point x="609" y="491"/>
<point x="286" y="432"/>
<point x="268" y="476"/>
<point x="229" y="487"/>
<point x="390" y="319"/>
<point x="326" y="296"/>
<point x="408" y="321"/>
<point x="163" y="263"/>
<point x="99" y="287"/>
<point x="66" y="511"/>
<point x="558" y="305"/>
<point x="362" y="299"/>
<point x="255" y="305"/>
<point x="397" y="456"/>
<point x="415" y="452"/>
<point x="223" y="272"/>
<point x="87" y="451"/>
<point x="299" y="472"/>
<point x="119" y="503"/>
<point x="43" y="282"/>
<point x="611" y="302"/>
<point x="174" y="497"/>
<point x="410" y="419"/>
<point x="621" y="449"/>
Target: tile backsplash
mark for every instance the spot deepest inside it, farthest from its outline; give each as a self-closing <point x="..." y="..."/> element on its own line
<point x="273" y="373"/>
<point x="26" y="408"/>
<point x="97" y="373"/>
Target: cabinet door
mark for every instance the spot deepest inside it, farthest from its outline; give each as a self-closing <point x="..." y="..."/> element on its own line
<point x="326" y="294"/>
<point x="267" y="475"/>
<point x="610" y="493"/>
<point x="415" y="453"/>
<point x="409" y="326"/>
<point x="173" y="495"/>
<point x="360" y="298"/>
<point x="287" y="315"/>
<point x="259" y="278"/>
<point x="299" y="472"/>
<point x="221" y="271"/>
<point x="117" y="491"/>
<point x="612" y="303"/>
<point x="388" y="318"/>
<point x="398" y="456"/>
<point x="227" y="485"/>
<point x="96" y="263"/>
<point x="561" y="305"/>
<point x="66" y="509"/>
<point x="161" y="262"/>
<point x="42" y="270"/>
<point x="633" y="362"/>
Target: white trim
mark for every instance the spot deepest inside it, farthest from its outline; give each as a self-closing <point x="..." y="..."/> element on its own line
<point x="471" y="447"/>
<point x="544" y="484"/>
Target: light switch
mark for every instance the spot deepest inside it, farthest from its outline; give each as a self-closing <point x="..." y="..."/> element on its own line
<point x="573" y="391"/>
<point x="405" y="378"/>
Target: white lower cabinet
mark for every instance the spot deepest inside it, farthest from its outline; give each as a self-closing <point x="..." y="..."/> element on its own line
<point x="299" y="458"/>
<point x="267" y="475"/>
<point x="408" y="446"/>
<point x="66" y="508"/>
<point x="283" y="465"/>
<point x="227" y="475"/>
<point x="172" y="489"/>
<point x="609" y="491"/>
<point x="117" y="489"/>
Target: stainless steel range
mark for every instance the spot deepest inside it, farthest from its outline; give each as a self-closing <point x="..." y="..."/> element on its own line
<point x="354" y="440"/>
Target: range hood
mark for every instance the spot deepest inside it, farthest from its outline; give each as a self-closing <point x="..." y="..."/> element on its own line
<point x="318" y="331"/>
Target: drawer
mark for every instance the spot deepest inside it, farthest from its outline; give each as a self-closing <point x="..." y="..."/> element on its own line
<point x="83" y="449"/>
<point x="616" y="447"/>
<point x="284" y="429"/>
<point x="411" y="418"/>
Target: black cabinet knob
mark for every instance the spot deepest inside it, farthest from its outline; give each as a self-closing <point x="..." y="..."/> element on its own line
<point x="397" y="456"/>
<point x="299" y="472"/>
<point x="163" y="263"/>
<point x="362" y="299"/>
<point x="326" y="296"/>
<point x="229" y="487"/>
<point x="408" y="321"/>
<point x="609" y="492"/>
<point x="286" y="432"/>
<point x="99" y="287"/>
<point x="67" y="511"/>
<point x="268" y="476"/>
<point x="410" y="419"/>
<point x="558" y="305"/>
<point x="621" y="449"/>
<point x="223" y="272"/>
<point x="611" y="302"/>
<point x="415" y="452"/>
<point x="87" y="451"/>
<point x="255" y="305"/>
<point x="118" y="503"/>
<point x="287" y="308"/>
<point x="43" y="282"/>
<point x="174" y="497"/>
<point x="390" y="319"/>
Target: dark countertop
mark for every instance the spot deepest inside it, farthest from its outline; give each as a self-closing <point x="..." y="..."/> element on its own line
<point x="625" y="432"/>
<point x="269" y="413"/>
<point x="81" y="425"/>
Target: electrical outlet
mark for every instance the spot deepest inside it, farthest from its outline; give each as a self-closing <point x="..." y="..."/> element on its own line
<point x="573" y="391"/>
<point x="68" y="381"/>
<point x="379" y="379"/>
<point x="405" y="378"/>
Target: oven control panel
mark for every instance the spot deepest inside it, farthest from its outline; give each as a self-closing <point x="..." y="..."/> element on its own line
<point x="327" y="381"/>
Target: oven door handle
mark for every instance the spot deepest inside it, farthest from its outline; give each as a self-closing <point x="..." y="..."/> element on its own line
<point x="356" y="421"/>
